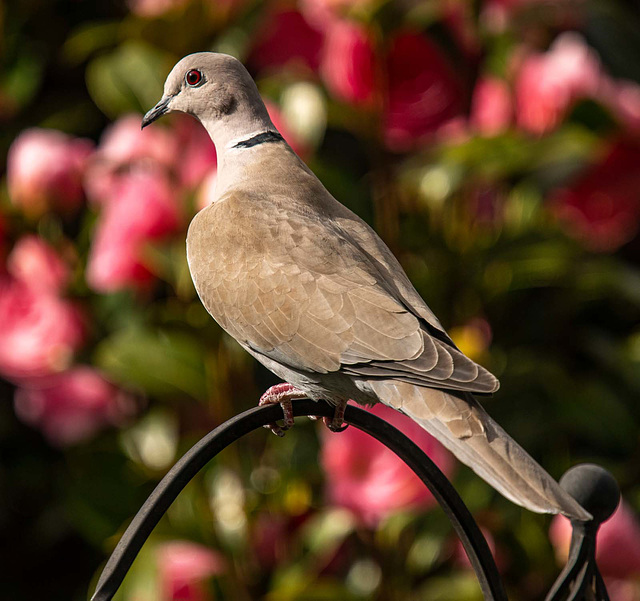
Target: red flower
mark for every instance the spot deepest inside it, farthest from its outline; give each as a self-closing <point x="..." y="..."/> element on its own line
<point x="349" y="63"/>
<point x="369" y="479"/>
<point x="286" y="38"/>
<point x="45" y="169"/>
<point x="423" y="91"/>
<point x="145" y="210"/>
<point x="602" y="208"/>
<point x="34" y="262"/>
<point x="184" y="568"/>
<point x="72" y="406"/>
<point x="39" y="332"/>
<point x="491" y="106"/>
<point x="548" y="84"/>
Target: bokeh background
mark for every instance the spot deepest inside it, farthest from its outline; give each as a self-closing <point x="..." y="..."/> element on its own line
<point x="494" y="145"/>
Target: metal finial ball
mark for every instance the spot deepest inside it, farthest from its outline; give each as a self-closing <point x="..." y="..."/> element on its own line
<point x="594" y="488"/>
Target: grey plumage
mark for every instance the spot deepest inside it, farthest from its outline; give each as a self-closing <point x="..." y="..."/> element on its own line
<point x="312" y="292"/>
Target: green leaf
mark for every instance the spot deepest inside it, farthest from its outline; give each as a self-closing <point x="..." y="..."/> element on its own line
<point x="163" y="363"/>
<point x="129" y="79"/>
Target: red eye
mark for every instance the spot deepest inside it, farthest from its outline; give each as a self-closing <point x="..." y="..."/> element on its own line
<point x="193" y="77"/>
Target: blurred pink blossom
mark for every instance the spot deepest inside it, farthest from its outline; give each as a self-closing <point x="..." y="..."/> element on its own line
<point x="45" y="169"/>
<point x="617" y="549"/>
<point x="286" y="38"/>
<point x="184" y="568"/>
<point x="549" y="83"/>
<point x="602" y="207"/>
<point x="349" y="63"/>
<point x="154" y="8"/>
<point x="491" y="106"/>
<point x="71" y="406"/>
<point x="144" y="210"/>
<point x="39" y="332"/>
<point x="197" y="155"/>
<point x="369" y="479"/>
<point x="124" y="148"/>
<point x="37" y="264"/>
<point x="423" y="91"/>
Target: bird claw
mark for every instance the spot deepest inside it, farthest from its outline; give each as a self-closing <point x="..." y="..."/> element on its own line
<point x="336" y="423"/>
<point x="281" y="394"/>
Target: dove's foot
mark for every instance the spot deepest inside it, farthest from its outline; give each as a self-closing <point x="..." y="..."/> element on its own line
<point x="336" y="423"/>
<point x="282" y="394"/>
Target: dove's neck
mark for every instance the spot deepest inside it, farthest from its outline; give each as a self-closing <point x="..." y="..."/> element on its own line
<point x="249" y="118"/>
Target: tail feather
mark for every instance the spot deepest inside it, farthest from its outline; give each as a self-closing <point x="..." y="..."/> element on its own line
<point x="467" y="430"/>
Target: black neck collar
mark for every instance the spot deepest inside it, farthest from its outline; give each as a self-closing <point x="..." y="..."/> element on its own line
<point x="267" y="136"/>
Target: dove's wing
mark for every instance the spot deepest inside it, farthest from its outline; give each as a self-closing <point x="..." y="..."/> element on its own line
<point x="300" y="290"/>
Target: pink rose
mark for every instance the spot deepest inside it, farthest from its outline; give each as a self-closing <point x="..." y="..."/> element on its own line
<point x="349" y="63"/>
<point x="71" y="406"/>
<point x="491" y="106"/>
<point x="124" y="147"/>
<point x="154" y="8"/>
<point x="184" y="568"/>
<point x="617" y="546"/>
<point x="602" y="207"/>
<point x="197" y="155"/>
<point x="145" y="210"/>
<point x="548" y="84"/>
<point x="285" y="37"/>
<point x="366" y="477"/>
<point x="36" y="263"/>
<point x="423" y="91"/>
<point x="44" y="171"/>
<point x="39" y="332"/>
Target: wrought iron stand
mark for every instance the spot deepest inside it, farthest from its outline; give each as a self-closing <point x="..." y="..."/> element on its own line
<point x="592" y="486"/>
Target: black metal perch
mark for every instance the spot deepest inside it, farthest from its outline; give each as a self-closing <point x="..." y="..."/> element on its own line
<point x="591" y="485"/>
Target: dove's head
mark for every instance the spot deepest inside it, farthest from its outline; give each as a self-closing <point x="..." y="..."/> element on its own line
<point x="214" y="88"/>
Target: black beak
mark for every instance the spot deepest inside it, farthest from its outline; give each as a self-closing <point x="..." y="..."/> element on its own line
<point x="156" y="112"/>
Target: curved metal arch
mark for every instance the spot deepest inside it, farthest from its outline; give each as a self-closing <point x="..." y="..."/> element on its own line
<point x="202" y="452"/>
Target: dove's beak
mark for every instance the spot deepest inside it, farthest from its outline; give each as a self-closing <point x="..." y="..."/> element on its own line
<point x="162" y="108"/>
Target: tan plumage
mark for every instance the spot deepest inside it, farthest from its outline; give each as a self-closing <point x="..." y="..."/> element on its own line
<point x="312" y="292"/>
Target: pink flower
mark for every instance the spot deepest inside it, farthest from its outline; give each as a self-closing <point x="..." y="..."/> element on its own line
<point x="145" y="210"/>
<point x="44" y="171"/>
<point x="491" y="106"/>
<point x="369" y="479"/>
<point x="286" y="38"/>
<point x="154" y="8"/>
<point x="184" y="568"/>
<point x="35" y="263"/>
<point x="197" y="155"/>
<point x="617" y="546"/>
<point x="39" y="332"/>
<point x="71" y="406"/>
<point x="349" y="63"/>
<point x="602" y="207"/>
<point x="548" y="84"/>
<point x="423" y="91"/>
<point x="124" y="147"/>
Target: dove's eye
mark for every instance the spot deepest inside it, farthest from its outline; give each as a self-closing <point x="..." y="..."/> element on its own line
<point x="193" y="77"/>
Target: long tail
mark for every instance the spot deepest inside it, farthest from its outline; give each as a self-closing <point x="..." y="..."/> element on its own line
<point x="468" y="431"/>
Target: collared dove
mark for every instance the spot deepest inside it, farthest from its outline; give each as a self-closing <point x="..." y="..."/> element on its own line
<point x="312" y="292"/>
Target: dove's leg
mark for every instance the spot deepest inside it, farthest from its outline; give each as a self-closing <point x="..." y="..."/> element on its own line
<point x="336" y="423"/>
<point x="282" y="394"/>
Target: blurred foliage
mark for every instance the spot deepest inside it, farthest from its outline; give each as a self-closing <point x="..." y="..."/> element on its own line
<point x="474" y="218"/>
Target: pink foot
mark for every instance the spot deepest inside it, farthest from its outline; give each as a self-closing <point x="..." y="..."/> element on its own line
<point x="336" y="423"/>
<point x="282" y="394"/>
